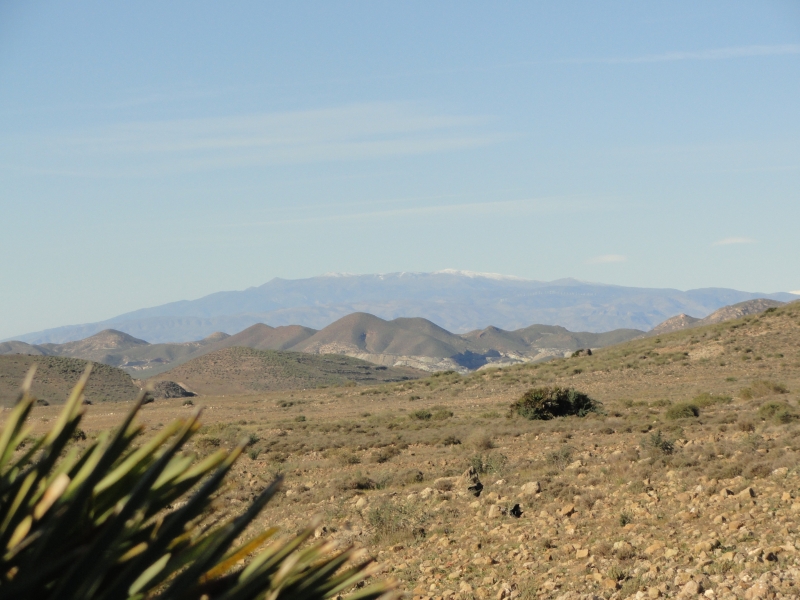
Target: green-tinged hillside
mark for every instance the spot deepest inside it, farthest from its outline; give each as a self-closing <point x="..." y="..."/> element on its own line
<point x="242" y="370"/>
<point x="56" y="375"/>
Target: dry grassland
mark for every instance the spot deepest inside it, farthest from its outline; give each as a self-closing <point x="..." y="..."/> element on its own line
<point x="686" y="485"/>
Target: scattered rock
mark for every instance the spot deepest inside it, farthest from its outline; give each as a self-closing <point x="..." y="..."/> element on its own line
<point x="531" y="488"/>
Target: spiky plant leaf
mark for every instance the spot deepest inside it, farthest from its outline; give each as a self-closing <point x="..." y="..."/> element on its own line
<point x="97" y="523"/>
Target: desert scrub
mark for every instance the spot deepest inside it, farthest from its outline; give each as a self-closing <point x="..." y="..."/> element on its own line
<point x="657" y="443"/>
<point x="780" y="412"/>
<point x="682" y="410"/>
<point x="545" y="403"/>
<point x="493" y="462"/>
<point x="397" y="521"/>
<point x="761" y="388"/>
<point x="707" y="399"/>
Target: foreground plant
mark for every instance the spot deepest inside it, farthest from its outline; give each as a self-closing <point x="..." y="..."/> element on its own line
<point x="98" y="523"/>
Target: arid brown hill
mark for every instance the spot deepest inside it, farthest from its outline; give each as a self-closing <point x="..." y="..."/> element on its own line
<point x="56" y="376"/>
<point x="245" y="370"/>
<point x="726" y="313"/>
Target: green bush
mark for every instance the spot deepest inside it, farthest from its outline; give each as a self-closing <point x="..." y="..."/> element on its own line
<point x="657" y="442"/>
<point x="682" y="410"/>
<point x="780" y="412"/>
<point x="545" y="403"/>
<point x="421" y="415"/>
<point x="131" y="519"/>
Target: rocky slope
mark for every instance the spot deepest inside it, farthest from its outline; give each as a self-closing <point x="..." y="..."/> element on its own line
<point x="726" y="313"/>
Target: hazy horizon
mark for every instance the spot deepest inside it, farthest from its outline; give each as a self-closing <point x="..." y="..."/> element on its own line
<point x="158" y="152"/>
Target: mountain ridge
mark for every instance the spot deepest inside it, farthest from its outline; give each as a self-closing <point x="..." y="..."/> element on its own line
<point x="457" y="301"/>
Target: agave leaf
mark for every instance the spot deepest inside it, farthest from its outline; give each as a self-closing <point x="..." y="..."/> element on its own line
<point x="86" y="576"/>
<point x="235" y="556"/>
<point x="222" y="540"/>
<point x="138" y="458"/>
<point x="53" y="493"/>
<point x="148" y="574"/>
<point x="16" y="420"/>
<point x="12" y="514"/>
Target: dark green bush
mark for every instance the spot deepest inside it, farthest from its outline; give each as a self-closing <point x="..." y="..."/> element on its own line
<point x="545" y="403"/>
<point x="421" y="415"/>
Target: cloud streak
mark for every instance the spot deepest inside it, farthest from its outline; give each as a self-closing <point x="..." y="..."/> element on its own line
<point x="733" y="240"/>
<point x="347" y="133"/>
<point x="605" y="259"/>
<point x="701" y="55"/>
<point x="489" y="208"/>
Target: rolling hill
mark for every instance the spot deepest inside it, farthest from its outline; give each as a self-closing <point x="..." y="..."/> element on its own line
<point x="404" y="342"/>
<point x="458" y="301"/>
<point x="409" y="342"/>
<point x="726" y="313"/>
<point x="240" y="370"/>
<point x="56" y="375"/>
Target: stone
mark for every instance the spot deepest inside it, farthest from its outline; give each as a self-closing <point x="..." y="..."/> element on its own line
<point x="531" y="488"/>
<point x="691" y="588"/>
<point x="582" y="553"/>
<point x="426" y="493"/>
<point x="469" y="480"/>
<point x="567" y="510"/>
<point x="759" y="591"/>
<point x="653" y="592"/>
<point x="780" y="472"/>
<point x="361" y="503"/>
<point x="609" y="584"/>
<point x="654" y="548"/>
<point x="496" y="511"/>
<point x="747" y="492"/>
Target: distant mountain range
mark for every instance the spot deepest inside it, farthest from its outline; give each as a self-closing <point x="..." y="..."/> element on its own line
<point x="402" y="342"/>
<point x="457" y="301"/>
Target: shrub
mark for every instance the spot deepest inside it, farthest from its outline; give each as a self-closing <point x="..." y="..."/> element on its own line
<point x="421" y="415"/>
<point x="560" y="458"/>
<point x="494" y="462"/>
<point x="91" y="523"/>
<point x="682" y="410"/>
<point x="546" y="403"/>
<point x="440" y="413"/>
<point x="760" y="388"/>
<point x="780" y="412"/>
<point x="481" y="441"/>
<point x="659" y="443"/>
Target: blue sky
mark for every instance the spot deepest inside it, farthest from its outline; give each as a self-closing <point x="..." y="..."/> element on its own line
<point x="156" y="151"/>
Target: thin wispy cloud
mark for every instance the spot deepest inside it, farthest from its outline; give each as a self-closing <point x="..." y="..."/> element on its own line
<point x="604" y="259"/>
<point x="711" y="54"/>
<point x="795" y="292"/>
<point x="354" y="132"/>
<point x="498" y="207"/>
<point x="734" y="240"/>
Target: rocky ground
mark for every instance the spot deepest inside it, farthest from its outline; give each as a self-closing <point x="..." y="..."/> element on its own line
<point x="684" y="484"/>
